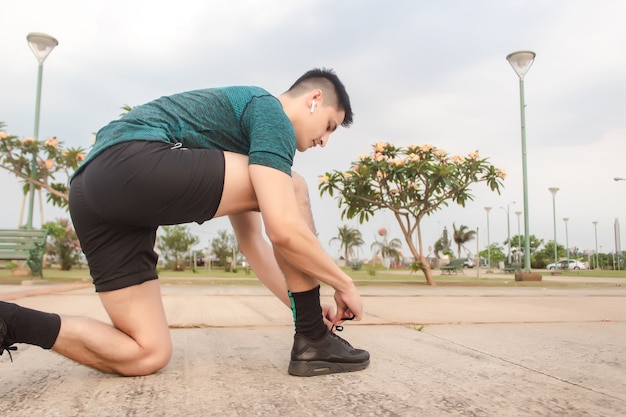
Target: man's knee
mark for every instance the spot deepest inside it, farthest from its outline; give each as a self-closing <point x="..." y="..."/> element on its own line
<point x="149" y="361"/>
<point x="155" y="361"/>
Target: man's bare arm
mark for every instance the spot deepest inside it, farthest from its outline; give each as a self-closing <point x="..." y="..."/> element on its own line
<point x="248" y="229"/>
<point x="295" y="241"/>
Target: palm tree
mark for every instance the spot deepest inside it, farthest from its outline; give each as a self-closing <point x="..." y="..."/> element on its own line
<point x="462" y="236"/>
<point x="389" y="249"/>
<point x="442" y="245"/>
<point x="349" y="238"/>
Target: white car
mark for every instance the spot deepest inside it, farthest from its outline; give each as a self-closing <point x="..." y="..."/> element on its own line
<point x="568" y="264"/>
<point x="469" y="263"/>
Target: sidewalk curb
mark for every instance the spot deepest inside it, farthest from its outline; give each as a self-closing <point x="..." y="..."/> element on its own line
<point x="42" y="291"/>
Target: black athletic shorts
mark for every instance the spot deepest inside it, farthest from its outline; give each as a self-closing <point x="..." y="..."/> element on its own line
<point x="121" y="197"/>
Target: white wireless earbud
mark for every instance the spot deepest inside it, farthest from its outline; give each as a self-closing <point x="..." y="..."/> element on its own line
<point x="312" y="106"/>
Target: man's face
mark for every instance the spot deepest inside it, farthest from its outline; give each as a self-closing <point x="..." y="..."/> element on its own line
<point x="314" y="128"/>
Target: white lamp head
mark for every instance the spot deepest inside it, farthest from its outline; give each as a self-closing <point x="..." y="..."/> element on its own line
<point x="521" y="62"/>
<point x="41" y="44"/>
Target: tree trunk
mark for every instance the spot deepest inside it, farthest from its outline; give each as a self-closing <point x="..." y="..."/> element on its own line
<point x="428" y="273"/>
<point x="417" y="255"/>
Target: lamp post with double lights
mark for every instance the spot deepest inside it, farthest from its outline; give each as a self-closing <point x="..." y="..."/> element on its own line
<point x="488" y="209"/>
<point x="519" y="237"/>
<point x="595" y="231"/>
<point x="41" y="45"/>
<point x="566" y="219"/>
<point x="521" y="61"/>
<point x="508" y="230"/>
<point x="553" y="190"/>
<point x="618" y="243"/>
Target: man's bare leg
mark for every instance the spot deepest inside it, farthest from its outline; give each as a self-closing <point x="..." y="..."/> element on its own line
<point x="248" y="228"/>
<point x="303" y="289"/>
<point x="298" y="281"/>
<point x="138" y="344"/>
<point x="315" y="350"/>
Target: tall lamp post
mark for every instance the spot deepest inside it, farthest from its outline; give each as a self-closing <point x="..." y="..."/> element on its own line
<point x="488" y="209"/>
<point x="42" y="45"/>
<point x="521" y="62"/>
<point x="566" y="219"/>
<point x="618" y="243"/>
<point x="595" y="230"/>
<point x="553" y="190"/>
<point x="508" y="230"/>
<point x="519" y="237"/>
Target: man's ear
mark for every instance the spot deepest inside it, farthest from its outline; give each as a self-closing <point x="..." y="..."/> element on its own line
<point x="315" y="95"/>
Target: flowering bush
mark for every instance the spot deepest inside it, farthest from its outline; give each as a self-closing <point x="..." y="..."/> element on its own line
<point x="412" y="182"/>
<point x="63" y="245"/>
<point x="53" y="165"/>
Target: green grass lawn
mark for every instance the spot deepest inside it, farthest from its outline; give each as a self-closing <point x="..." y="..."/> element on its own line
<point x="362" y="277"/>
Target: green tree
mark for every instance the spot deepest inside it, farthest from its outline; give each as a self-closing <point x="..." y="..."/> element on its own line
<point x="224" y="246"/>
<point x="442" y="245"/>
<point x="545" y="255"/>
<point x="412" y="183"/>
<point x="175" y="243"/>
<point x="518" y="241"/>
<point x="439" y="248"/>
<point x="349" y="238"/>
<point x="461" y="236"/>
<point x="54" y="164"/>
<point x="62" y="243"/>
<point x="495" y="254"/>
<point x="387" y="249"/>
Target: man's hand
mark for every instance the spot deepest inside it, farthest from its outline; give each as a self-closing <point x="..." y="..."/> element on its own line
<point x="328" y="313"/>
<point x="349" y="305"/>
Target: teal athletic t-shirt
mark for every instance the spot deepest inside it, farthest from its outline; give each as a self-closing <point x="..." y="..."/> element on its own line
<point x="244" y="120"/>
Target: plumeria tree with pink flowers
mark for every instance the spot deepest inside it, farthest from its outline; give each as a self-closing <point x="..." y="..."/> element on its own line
<point x="412" y="183"/>
<point x="53" y="166"/>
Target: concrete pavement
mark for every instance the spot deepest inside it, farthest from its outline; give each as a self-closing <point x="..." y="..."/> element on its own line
<point x="436" y="351"/>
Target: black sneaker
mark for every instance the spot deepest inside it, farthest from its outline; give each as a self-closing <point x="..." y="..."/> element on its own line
<point x="331" y="354"/>
<point x="5" y="344"/>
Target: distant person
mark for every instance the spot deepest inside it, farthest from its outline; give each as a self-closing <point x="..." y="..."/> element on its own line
<point x="191" y="157"/>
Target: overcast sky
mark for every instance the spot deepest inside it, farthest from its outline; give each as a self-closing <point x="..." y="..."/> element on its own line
<point x="417" y="72"/>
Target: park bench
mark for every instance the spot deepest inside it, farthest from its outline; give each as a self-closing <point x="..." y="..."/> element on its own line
<point x="356" y="266"/>
<point x="512" y="268"/>
<point x="24" y="245"/>
<point x="453" y="266"/>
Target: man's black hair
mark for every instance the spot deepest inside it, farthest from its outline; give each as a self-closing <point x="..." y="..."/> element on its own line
<point x="343" y="100"/>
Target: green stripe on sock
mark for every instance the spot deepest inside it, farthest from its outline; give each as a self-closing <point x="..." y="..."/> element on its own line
<point x="293" y="308"/>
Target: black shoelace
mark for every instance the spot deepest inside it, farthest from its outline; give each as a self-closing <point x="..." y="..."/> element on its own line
<point x="339" y="327"/>
<point x="8" y="349"/>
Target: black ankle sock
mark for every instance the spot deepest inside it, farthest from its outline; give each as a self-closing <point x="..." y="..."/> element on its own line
<point x="30" y="326"/>
<point x="307" y="313"/>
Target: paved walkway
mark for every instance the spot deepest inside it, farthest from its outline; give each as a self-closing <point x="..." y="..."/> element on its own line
<point x="436" y="351"/>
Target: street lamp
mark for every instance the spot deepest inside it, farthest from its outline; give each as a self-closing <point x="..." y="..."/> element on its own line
<point x="618" y="243"/>
<point x="42" y="45"/>
<point x="553" y="190"/>
<point x="595" y="228"/>
<point x="566" y="219"/>
<point x="508" y="230"/>
<point x="619" y="179"/>
<point x="519" y="237"/>
<point x="488" y="209"/>
<point x="521" y="62"/>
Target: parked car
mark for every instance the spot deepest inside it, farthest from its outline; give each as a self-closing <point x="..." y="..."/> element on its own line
<point x="568" y="264"/>
<point x="469" y="263"/>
